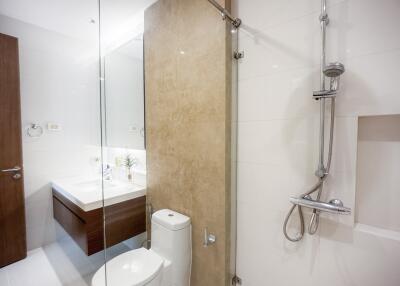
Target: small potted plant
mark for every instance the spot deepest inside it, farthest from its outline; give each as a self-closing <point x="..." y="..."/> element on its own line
<point x="130" y="162"/>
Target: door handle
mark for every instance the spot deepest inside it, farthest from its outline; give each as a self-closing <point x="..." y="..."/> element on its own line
<point x="12" y="170"/>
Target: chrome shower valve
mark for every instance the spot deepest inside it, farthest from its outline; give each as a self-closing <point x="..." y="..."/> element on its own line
<point x="208" y="238"/>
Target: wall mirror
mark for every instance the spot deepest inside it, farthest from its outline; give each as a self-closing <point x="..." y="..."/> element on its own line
<point x="124" y="95"/>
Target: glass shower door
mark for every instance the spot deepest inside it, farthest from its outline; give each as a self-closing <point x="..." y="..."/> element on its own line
<point x="58" y="66"/>
<point x="123" y="142"/>
<point x="235" y="57"/>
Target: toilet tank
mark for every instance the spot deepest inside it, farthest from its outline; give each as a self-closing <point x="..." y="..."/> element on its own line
<point x="171" y="238"/>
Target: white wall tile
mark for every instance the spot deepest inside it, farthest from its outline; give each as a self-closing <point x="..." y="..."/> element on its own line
<point x="362" y="27"/>
<point x="278" y="142"/>
<point x="369" y="85"/>
<point x="279" y="96"/>
<point x="295" y="42"/>
<point x="279" y="49"/>
<point x="274" y="13"/>
<point x="278" y="137"/>
<point x="344" y="153"/>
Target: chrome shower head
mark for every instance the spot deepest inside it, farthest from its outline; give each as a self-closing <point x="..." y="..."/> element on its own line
<point x="333" y="71"/>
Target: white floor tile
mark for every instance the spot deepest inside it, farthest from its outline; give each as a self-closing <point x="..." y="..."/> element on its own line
<point x="4" y="277"/>
<point x="35" y="269"/>
<point x="59" y="264"/>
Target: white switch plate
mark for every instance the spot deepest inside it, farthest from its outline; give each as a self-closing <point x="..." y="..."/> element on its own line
<point x="53" y="127"/>
<point x="132" y="128"/>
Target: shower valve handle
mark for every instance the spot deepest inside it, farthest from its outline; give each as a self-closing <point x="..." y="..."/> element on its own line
<point x="208" y="238"/>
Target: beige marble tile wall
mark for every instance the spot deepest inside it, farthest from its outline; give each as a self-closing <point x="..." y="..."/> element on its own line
<point x="188" y="125"/>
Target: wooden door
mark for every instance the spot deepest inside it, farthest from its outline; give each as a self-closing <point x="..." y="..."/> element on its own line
<point x="12" y="202"/>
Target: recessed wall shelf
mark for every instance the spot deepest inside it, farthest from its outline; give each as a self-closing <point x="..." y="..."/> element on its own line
<point x="378" y="162"/>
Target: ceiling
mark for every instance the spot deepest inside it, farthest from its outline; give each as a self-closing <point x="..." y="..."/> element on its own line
<point x="74" y="17"/>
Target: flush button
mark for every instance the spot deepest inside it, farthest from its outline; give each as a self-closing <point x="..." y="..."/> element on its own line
<point x="170" y="214"/>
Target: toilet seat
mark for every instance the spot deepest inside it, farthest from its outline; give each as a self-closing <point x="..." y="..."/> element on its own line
<point x="133" y="268"/>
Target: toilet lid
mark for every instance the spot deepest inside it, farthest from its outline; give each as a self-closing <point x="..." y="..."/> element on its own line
<point x="133" y="268"/>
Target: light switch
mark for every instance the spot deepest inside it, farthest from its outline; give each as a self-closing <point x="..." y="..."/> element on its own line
<point x="53" y="127"/>
<point x="132" y="128"/>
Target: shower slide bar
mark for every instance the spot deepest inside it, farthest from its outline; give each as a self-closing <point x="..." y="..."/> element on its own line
<point x="236" y="22"/>
<point x="334" y="206"/>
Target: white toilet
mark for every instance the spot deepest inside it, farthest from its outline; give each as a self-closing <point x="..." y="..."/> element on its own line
<point x="167" y="263"/>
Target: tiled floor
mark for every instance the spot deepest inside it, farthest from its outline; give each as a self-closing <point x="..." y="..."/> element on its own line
<point x="33" y="270"/>
<point x="58" y="264"/>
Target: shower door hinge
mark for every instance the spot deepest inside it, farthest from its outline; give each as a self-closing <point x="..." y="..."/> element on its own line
<point x="236" y="280"/>
<point x="238" y="55"/>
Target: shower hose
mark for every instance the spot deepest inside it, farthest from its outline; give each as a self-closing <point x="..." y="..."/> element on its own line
<point x="314" y="221"/>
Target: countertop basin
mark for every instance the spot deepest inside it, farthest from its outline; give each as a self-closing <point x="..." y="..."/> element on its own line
<point x="87" y="193"/>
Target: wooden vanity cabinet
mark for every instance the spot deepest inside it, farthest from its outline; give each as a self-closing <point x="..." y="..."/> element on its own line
<point x="123" y="221"/>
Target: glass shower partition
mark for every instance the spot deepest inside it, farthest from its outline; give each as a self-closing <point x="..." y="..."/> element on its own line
<point x="58" y="56"/>
<point x="123" y="148"/>
<point x="123" y="134"/>
<point x="236" y="56"/>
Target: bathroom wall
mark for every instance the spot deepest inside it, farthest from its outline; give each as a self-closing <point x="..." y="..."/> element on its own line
<point x="187" y="72"/>
<point x="59" y="84"/>
<point x="278" y="139"/>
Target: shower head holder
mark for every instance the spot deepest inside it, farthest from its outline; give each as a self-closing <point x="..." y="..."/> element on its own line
<point x="324" y="94"/>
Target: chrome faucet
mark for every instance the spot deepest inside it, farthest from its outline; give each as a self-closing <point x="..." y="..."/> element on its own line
<point x="107" y="173"/>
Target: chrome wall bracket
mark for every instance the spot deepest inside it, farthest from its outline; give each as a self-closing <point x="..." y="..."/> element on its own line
<point x="236" y="22"/>
<point x="226" y="15"/>
<point x="238" y="55"/>
<point x="324" y="18"/>
<point x="236" y="280"/>
<point x="324" y="94"/>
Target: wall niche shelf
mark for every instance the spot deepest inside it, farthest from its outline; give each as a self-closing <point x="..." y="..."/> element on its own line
<point x="377" y="208"/>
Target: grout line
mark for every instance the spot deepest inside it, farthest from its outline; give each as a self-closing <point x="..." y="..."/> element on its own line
<point x="315" y="11"/>
<point x="347" y="60"/>
<point x="292" y="119"/>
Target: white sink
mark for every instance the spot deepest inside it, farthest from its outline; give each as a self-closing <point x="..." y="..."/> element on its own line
<point x="88" y="193"/>
<point x="93" y="185"/>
